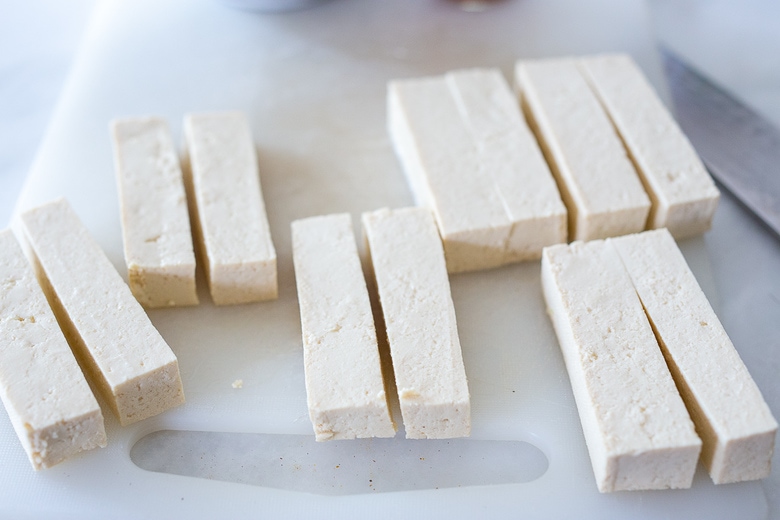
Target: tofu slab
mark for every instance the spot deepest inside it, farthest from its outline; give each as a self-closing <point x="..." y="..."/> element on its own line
<point x="731" y="416"/>
<point x="121" y="352"/>
<point x="155" y="223"/>
<point x="49" y="402"/>
<point x="601" y="189"/>
<point x="414" y="291"/>
<point x="228" y="212"/>
<point x="638" y="432"/>
<point x="684" y="196"/>
<point x="470" y="157"/>
<point x="345" y="389"/>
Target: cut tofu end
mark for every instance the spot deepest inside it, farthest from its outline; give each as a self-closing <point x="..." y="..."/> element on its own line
<point x="228" y="212"/>
<point x="684" y="196"/>
<point x="601" y="189"/>
<point x="414" y="291"/>
<point x="638" y="432"/>
<point x="731" y="416"/>
<point x="117" y="346"/>
<point x="469" y="156"/>
<point x="155" y="223"/>
<point x="345" y="389"/>
<point x="48" y="401"/>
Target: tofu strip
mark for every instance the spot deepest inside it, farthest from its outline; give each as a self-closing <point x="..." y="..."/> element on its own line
<point x="469" y="156"/>
<point x="44" y="392"/>
<point x="414" y="290"/>
<point x="683" y="194"/>
<point x="638" y="432"/>
<point x="344" y="386"/>
<point x="119" y="349"/>
<point x="228" y="212"/>
<point x="731" y="416"/>
<point x="155" y="223"/>
<point x="511" y="160"/>
<point x="599" y="185"/>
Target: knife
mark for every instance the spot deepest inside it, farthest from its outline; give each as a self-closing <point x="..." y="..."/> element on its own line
<point x="740" y="148"/>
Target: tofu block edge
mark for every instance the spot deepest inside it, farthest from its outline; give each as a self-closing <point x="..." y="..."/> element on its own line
<point x="731" y="416"/>
<point x="414" y="292"/>
<point x="50" y="405"/>
<point x="137" y="374"/>
<point x="652" y="444"/>
<point x="345" y="388"/>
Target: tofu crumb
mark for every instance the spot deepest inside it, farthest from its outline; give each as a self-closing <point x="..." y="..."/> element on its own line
<point x="238" y="383"/>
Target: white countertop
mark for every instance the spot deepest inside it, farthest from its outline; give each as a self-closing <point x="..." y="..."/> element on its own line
<point x="735" y="42"/>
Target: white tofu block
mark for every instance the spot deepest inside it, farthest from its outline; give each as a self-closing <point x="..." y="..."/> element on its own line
<point x="638" y="432"/>
<point x="48" y="401"/>
<point x="121" y="352"/>
<point x="414" y="291"/>
<point x="345" y="389"/>
<point x="470" y="157"/>
<point x="684" y="196"/>
<point x="228" y="212"/>
<point x="731" y="416"/>
<point x="155" y="223"/>
<point x="599" y="185"/>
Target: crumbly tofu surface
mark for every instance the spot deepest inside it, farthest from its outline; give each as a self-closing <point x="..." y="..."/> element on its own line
<point x="228" y="211"/>
<point x="638" y="432"/>
<point x="470" y="157"/>
<point x="601" y="189"/>
<point x="731" y="416"/>
<point x="155" y="223"/>
<point x="684" y="196"/>
<point x="48" y="401"/>
<point x="119" y="349"/>
<point x="414" y="291"/>
<point x="345" y="389"/>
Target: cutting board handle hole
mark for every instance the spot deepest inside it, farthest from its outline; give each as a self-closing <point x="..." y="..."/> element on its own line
<point x="298" y="463"/>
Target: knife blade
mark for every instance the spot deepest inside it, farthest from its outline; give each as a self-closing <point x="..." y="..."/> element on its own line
<point x="740" y="148"/>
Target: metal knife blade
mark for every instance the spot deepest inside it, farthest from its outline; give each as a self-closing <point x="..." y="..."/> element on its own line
<point x="740" y="148"/>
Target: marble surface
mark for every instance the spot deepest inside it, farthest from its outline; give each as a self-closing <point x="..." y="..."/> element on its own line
<point x="734" y="42"/>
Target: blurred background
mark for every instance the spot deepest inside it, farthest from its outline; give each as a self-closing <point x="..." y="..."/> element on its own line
<point x="735" y="41"/>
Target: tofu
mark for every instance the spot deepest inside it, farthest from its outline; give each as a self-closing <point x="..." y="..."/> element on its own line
<point x="414" y="291"/>
<point x="50" y="405"/>
<point x="469" y="156"/>
<point x="345" y="390"/>
<point x="121" y="352"/>
<point x="734" y="421"/>
<point x="228" y="212"/>
<point x="600" y="187"/>
<point x="638" y="431"/>
<point x="684" y="197"/>
<point x="155" y="223"/>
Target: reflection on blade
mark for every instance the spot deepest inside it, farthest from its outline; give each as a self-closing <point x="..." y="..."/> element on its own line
<point x="740" y="148"/>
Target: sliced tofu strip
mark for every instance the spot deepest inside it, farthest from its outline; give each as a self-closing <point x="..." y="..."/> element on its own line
<point x="155" y="223"/>
<point x="638" y="432"/>
<point x="414" y="291"/>
<point x="119" y="349"/>
<point x="228" y="212"/>
<point x="49" y="402"/>
<point x="442" y="165"/>
<point x="510" y="159"/>
<point x="731" y="416"/>
<point x="599" y="185"/>
<point x="344" y="386"/>
<point x="683" y="194"/>
<point x="469" y="156"/>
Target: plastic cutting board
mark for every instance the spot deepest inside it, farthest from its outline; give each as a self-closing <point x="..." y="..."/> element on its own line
<point x="313" y="86"/>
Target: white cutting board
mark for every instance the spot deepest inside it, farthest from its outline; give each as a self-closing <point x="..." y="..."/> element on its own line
<point x="313" y="86"/>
